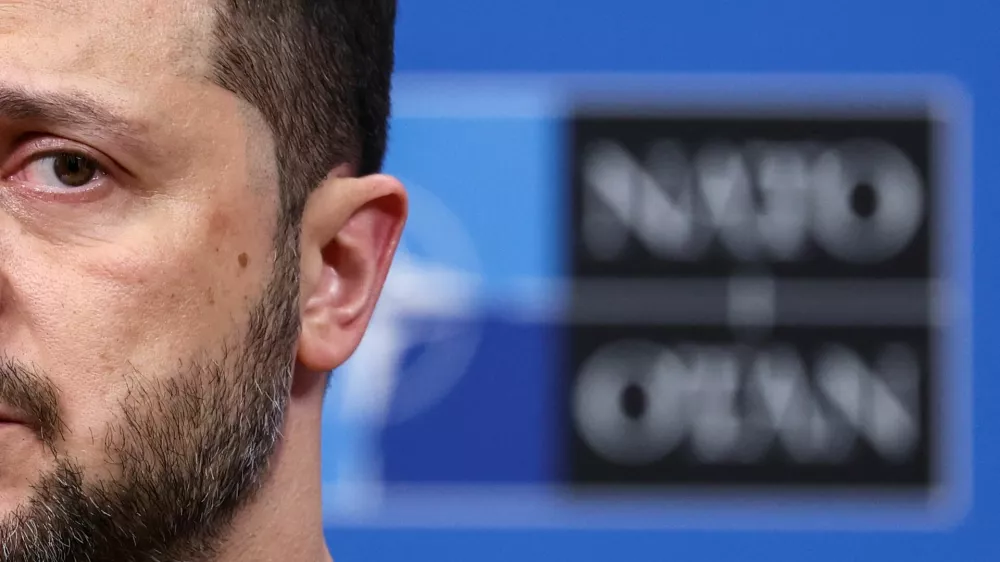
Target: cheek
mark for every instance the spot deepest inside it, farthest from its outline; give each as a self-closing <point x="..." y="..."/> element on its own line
<point x="88" y="317"/>
<point x="133" y="306"/>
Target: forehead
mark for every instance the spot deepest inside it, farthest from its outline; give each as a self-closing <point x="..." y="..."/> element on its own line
<point x="127" y="42"/>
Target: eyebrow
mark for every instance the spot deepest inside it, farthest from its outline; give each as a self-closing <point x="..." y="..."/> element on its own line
<point x="69" y="110"/>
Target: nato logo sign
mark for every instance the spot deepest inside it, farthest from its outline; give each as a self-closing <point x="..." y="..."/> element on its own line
<point x="754" y="298"/>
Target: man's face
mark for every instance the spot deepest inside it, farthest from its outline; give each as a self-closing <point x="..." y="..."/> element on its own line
<point x="146" y="328"/>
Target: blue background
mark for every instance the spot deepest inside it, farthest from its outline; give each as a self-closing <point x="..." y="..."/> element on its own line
<point x="958" y="39"/>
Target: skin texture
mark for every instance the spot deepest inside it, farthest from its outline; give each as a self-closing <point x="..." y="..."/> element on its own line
<point x="127" y="305"/>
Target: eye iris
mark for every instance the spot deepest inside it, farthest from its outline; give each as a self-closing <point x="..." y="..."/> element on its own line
<point x="74" y="170"/>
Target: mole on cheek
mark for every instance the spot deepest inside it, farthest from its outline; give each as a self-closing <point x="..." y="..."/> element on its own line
<point x="243" y="259"/>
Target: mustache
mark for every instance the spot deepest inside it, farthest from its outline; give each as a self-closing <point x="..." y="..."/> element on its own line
<point x="34" y="396"/>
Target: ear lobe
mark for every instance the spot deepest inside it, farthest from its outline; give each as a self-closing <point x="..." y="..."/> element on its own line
<point x="354" y="255"/>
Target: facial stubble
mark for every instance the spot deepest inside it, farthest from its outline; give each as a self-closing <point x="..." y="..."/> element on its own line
<point x="188" y="451"/>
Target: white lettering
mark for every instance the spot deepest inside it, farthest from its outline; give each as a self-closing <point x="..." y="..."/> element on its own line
<point x="861" y="201"/>
<point x="735" y="404"/>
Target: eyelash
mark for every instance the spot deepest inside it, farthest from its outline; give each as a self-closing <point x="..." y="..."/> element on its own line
<point x="28" y="152"/>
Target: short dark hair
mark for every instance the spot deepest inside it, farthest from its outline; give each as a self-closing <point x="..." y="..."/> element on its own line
<point x="320" y="73"/>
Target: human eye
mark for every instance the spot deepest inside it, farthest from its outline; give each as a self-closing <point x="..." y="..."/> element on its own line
<point x="60" y="170"/>
<point x="53" y="166"/>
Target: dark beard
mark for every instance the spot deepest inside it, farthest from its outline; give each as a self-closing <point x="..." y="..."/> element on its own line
<point x="190" y="450"/>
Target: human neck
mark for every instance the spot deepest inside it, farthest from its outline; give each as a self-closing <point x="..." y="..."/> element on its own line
<point x="284" y="522"/>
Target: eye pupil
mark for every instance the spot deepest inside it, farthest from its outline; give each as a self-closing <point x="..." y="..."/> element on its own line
<point x="74" y="170"/>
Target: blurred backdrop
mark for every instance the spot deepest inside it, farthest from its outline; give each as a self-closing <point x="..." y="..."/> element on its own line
<point x="690" y="280"/>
